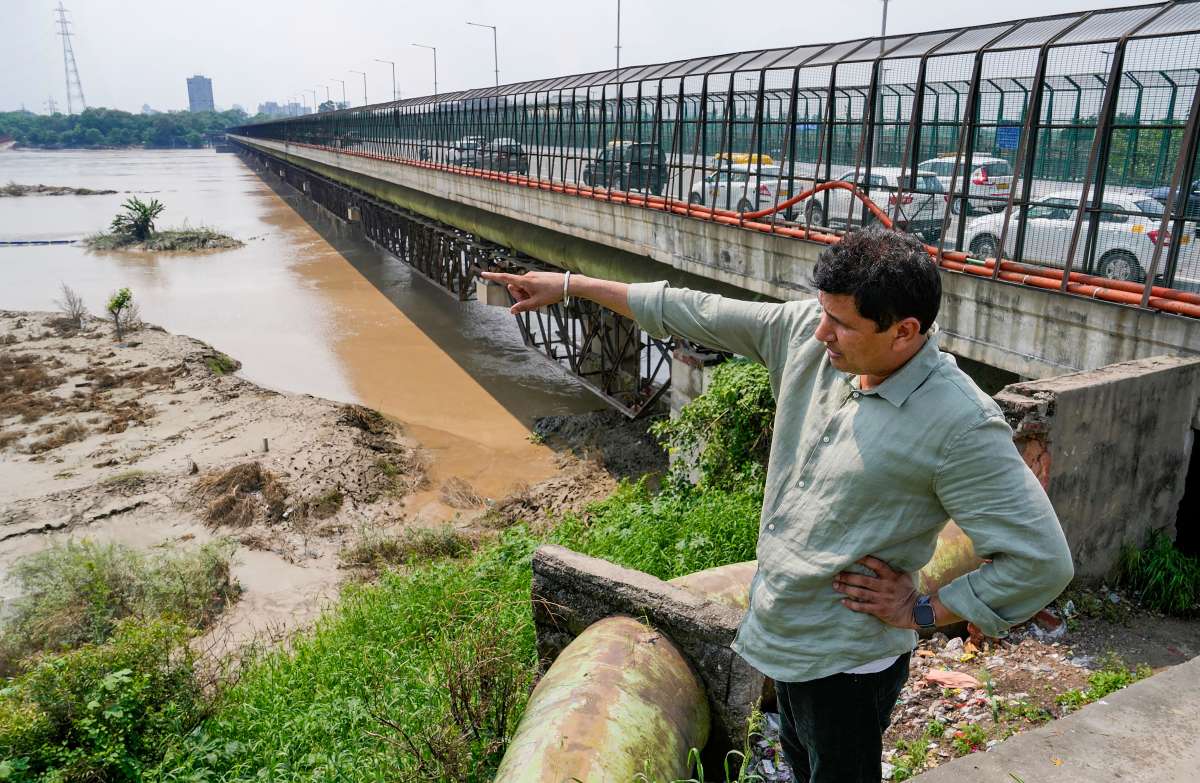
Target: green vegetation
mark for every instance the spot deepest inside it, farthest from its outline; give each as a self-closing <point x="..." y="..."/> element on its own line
<point x="112" y="128"/>
<point x="137" y="219"/>
<point x="119" y="303"/>
<point x="1112" y="676"/>
<point x="412" y="546"/>
<point x="725" y="434"/>
<point x="76" y="593"/>
<point x="1167" y="579"/>
<point x="220" y="364"/>
<point x="425" y="673"/>
<point x="101" y="712"/>
<point x="133" y="228"/>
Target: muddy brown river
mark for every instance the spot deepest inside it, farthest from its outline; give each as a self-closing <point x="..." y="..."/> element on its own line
<point x="307" y="306"/>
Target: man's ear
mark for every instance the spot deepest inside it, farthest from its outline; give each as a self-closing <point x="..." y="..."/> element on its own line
<point x="907" y="330"/>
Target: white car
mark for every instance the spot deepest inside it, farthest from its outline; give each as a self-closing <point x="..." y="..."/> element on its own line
<point x="740" y="186"/>
<point x="1127" y="233"/>
<point x="920" y="211"/>
<point x="465" y="151"/>
<point x="989" y="177"/>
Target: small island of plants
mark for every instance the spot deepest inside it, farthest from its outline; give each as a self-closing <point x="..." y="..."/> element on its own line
<point x="133" y="229"/>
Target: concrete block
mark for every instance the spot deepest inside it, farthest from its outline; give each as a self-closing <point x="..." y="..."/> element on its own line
<point x="571" y="591"/>
<point x="1111" y="446"/>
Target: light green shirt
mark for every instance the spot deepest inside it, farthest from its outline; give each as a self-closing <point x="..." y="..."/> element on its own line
<point x="877" y="472"/>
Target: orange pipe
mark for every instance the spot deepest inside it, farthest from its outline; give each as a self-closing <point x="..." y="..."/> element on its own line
<point x="1125" y="292"/>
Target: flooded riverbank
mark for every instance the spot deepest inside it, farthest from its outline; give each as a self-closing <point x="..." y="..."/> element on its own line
<point x="306" y="306"/>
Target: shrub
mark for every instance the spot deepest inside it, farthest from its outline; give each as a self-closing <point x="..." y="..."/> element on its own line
<point x="1167" y="579"/>
<point x="76" y="593"/>
<point x="669" y="534"/>
<point x="101" y="712"/>
<point x="415" y="545"/>
<point x="724" y="433"/>
<point x="137" y="219"/>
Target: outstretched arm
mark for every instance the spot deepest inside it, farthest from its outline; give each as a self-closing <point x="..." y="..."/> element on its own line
<point x="539" y="289"/>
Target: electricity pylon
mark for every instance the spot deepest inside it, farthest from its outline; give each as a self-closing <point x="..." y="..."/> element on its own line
<point x="70" y="69"/>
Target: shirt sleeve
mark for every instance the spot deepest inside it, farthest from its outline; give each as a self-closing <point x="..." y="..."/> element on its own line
<point x="986" y="488"/>
<point x="757" y="330"/>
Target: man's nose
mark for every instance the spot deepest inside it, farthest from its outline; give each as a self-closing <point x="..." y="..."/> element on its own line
<point x="824" y="333"/>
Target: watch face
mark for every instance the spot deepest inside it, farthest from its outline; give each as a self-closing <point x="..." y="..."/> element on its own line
<point x="923" y="615"/>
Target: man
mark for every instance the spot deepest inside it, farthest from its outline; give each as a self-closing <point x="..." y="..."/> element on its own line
<point x="879" y="438"/>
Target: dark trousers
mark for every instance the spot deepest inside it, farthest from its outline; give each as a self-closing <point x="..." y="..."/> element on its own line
<point x="832" y="728"/>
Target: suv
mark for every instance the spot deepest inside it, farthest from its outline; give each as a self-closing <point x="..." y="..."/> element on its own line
<point x="505" y="155"/>
<point x="628" y="165"/>
<point x="989" y="177"/>
<point x="465" y="151"/>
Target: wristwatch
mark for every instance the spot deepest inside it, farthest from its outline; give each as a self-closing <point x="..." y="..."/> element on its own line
<point x="923" y="614"/>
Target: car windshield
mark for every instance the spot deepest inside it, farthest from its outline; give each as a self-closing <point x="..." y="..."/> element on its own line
<point x="1150" y="206"/>
<point x="929" y="184"/>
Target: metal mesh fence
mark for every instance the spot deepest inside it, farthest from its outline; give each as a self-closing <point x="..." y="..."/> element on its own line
<point x="1066" y="143"/>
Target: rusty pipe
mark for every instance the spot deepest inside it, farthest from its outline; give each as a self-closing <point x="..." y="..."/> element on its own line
<point x="621" y="699"/>
<point x="618" y="701"/>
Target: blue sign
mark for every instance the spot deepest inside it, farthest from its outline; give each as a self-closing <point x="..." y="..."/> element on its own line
<point x="1008" y="137"/>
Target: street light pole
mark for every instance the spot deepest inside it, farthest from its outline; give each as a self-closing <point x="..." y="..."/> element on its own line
<point x="395" y="95"/>
<point x="618" y="39"/>
<point x="344" y="104"/>
<point x="495" y="48"/>
<point x="364" y="75"/>
<point x="434" y="49"/>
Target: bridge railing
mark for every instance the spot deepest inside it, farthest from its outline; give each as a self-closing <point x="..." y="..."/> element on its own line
<point x="1066" y="144"/>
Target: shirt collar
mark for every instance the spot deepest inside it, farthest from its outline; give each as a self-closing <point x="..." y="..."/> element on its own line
<point x="897" y="387"/>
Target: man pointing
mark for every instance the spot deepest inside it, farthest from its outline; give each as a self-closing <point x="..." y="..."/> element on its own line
<point x="879" y="439"/>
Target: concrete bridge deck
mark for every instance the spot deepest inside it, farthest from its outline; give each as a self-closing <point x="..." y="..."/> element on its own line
<point x="1023" y="330"/>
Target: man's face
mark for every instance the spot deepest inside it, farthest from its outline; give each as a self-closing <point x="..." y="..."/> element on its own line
<point x="853" y="343"/>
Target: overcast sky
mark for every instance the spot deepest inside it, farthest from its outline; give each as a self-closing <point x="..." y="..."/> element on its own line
<point x="258" y="50"/>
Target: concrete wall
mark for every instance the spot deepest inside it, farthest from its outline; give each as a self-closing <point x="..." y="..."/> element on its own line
<point x="1111" y="446"/>
<point x="1027" y="331"/>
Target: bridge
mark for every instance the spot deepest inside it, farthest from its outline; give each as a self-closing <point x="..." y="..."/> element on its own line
<point x="1049" y="164"/>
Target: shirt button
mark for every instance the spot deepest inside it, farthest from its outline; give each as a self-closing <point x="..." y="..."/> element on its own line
<point x="856" y="395"/>
<point x="771" y="526"/>
<point x="825" y="439"/>
<point x="800" y="484"/>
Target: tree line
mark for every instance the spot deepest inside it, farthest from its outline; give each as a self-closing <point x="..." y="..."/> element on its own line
<point x="112" y="128"/>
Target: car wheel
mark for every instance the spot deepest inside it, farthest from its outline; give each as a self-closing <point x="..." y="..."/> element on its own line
<point x="745" y="206"/>
<point x="1121" y="265"/>
<point x="587" y="178"/>
<point x="984" y="246"/>
<point x="814" y="214"/>
<point x="695" y="198"/>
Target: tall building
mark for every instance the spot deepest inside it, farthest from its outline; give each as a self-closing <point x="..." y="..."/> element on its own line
<point x="200" y="96"/>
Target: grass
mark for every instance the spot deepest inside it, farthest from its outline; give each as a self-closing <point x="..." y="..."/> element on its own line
<point x="126" y="480"/>
<point x="1112" y="676"/>
<point x="344" y="701"/>
<point x="75" y="593"/>
<point x="14" y="189"/>
<point x="414" y="545"/>
<point x="169" y="240"/>
<point x="220" y="364"/>
<point x="1166" y="579"/>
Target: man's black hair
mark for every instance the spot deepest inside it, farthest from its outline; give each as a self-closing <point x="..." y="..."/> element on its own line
<point x="888" y="273"/>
